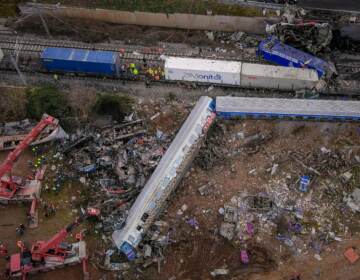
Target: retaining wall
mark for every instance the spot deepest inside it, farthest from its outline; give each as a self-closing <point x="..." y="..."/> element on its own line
<point x="254" y="25"/>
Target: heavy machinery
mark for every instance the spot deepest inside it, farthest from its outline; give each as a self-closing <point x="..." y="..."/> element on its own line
<point x="53" y="253"/>
<point x="15" y="188"/>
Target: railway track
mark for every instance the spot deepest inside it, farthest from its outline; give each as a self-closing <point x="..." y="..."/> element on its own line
<point x="30" y="50"/>
<point x="36" y="46"/>
<point x="35" y="78"/>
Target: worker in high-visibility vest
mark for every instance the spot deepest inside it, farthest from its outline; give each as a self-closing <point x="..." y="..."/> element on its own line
<point x="3" y="250"/>
<point x="151" y="73"/>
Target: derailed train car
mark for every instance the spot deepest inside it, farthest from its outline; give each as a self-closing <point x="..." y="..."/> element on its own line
<point x="166" y="176"/>
<point x="274" y="51"/>
<point x="234" y="73"/>
<point x="305" y="109"/>
<point x="183" y="149"/>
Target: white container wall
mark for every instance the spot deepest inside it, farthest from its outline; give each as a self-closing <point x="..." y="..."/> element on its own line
<point x="277" y="77"/>
<point x="202" y="70"/>
<point x="237" y="106"/>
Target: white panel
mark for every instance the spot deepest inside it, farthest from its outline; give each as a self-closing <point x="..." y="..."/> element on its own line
<point x="288" y="106"/>
<point x="202" y="70"/>
<point x="269" y="76"/>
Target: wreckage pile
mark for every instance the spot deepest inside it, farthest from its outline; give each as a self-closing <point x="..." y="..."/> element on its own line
<point x="113" y="162"/>
<point x="294" y="205"/>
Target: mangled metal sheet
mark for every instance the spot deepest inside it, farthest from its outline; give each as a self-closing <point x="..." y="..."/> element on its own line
<point x="14" y="132"/>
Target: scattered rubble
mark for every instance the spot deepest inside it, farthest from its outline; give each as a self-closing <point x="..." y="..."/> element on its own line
<point x="353" y="200"/>
<point x="314" y="37"/>
<point x="351" y="255"/>
<point x="219" y="272"/>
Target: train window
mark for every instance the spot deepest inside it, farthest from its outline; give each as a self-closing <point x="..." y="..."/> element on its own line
<point x="144" y="217"/>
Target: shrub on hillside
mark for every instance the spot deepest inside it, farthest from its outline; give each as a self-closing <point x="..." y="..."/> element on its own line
<point x="46" y="99"/>
<point x="117" y="106"/>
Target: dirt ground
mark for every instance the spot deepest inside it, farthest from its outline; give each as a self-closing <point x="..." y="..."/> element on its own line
<point x="194" y="253"/>
<point x="197" y="252"/>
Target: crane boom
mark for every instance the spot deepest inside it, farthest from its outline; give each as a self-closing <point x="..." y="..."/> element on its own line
<point x="7" y="187"/>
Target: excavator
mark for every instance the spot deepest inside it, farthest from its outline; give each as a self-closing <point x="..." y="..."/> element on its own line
<point x="53" y="253"/>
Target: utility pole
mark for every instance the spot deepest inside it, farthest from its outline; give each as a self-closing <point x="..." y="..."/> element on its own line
<point x="42" y="20"/>
<point x="14" y="63"/>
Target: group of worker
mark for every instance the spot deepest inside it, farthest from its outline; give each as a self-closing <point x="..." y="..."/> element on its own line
<point x="49" y="210"/>
<point x="155" y="73"/>
<point x="20" y="230"/>
<point x="133" y="71"/>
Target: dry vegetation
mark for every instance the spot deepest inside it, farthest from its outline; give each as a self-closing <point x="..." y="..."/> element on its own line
<point x="12" y="104"/>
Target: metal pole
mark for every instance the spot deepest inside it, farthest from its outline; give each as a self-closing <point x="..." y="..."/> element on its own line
<point x="43" y="22"/>
<point x="22" y="77"/>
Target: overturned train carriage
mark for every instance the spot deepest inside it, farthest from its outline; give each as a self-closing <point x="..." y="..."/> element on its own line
<point x="166" y="176"/>
<point x="234" y="73"/>
<point x="274" y="51"/>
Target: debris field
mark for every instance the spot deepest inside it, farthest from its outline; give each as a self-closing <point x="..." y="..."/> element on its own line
<point x="257" y="190"/>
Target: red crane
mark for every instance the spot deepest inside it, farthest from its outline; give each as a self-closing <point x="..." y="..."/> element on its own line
<point x="53" y="253"/>
<point x="8" y="187"/>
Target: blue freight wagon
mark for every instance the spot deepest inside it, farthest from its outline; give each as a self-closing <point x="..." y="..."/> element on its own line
<point x="272" y="50"/>
<point x="67" y="60"/>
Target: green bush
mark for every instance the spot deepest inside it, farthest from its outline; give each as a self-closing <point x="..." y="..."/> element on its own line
<point x="46" y="99"/>
<point x="117" y="106"/>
